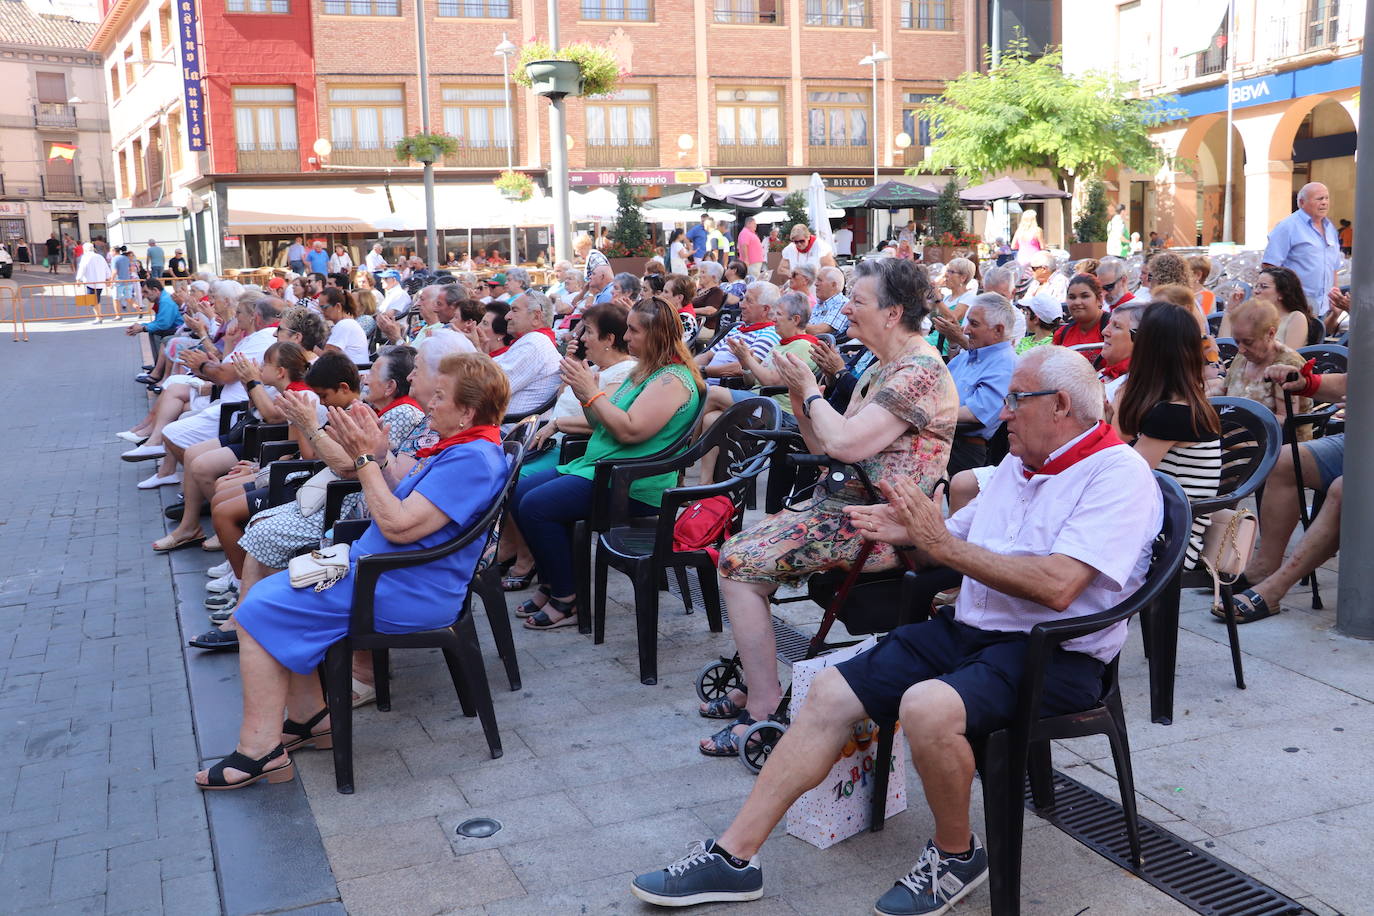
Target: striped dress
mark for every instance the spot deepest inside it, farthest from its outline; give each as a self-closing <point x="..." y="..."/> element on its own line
<point x="1194" y="461"/>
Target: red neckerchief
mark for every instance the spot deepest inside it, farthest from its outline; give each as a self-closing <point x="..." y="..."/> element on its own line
<point x="272" y="325"/>
<point x="1102" y="437"/>
<point x="687" y="310"/>
<point x="486" y="433"/>
<point x="750" y="328"/>
<point x="403" y="399"/>
<point x="1129" y="297"/>
<point x="298" y="386"/>
<point x="810" y="337"/>
<point x="803" y="249"/>
<point x="498" y="351"/>
<point x="1116" y="370"/>
<point x="545" y="331"/>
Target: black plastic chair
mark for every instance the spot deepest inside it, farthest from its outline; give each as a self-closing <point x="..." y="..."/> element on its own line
<point x="458" y="640"/>
<point x="1006" y="756"/>
<point x="229" y="414"/>
<point x="723" y="327"/>
<point x="1214" y="323"/>
<point x="284" y="478"/>
<point x="276" y="450"/>
<point x="1327" y="358"/>
<point x="642" y="547"/>
<point x="535" y="412"/>
<point x="1250" y="442"/>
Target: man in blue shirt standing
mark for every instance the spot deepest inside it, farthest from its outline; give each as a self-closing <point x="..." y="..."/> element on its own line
<point x="126" y="289"/>
<point x="698" y="236"/>
<point x="295" y="256"/>
<point x="157" y="259"/>
<point x="1308" y="243"/>
<point x="982" y="375"/>
<point x="317" y="258"/>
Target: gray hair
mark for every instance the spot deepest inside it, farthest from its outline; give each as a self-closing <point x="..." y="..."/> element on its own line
<point x="795" y="305"/>
<point x="602" y="271"/>
<point x="453" y="294"/>
<point x="1302" y="192"/>
<point x="713" y="268"/>
<point x="519" y="275"/>
<point x="997" y="309"/>
<point x="1111" y="266"/>
<point x="832" y="271"/>
<point x="807" y="271"/>
<point x="1132" y="310"/>
<point x="435" y="347"/>
<point x="961" y="266"/>
<point x="268" y="308"/>
<point x="228" y="289"/>
<point x="1042" y="257"/>
<point x="200" y="286"/>
<point x="1067" y="371"/>
<point x="996" y="279"/>
<point x="537" y="300"/>
<point x="627" y="283"/>
<point x="768" y="293"/>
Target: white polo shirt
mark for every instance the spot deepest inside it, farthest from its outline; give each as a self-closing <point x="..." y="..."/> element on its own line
<point x="349" y="337"/>
<point x="253" y="346"/>
<point x="1104" y="511"/>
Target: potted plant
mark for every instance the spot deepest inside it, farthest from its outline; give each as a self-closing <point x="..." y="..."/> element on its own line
<point x="947" y="226"/>
<point x="515" y="186"/>
<point x="1090" y="229"/>
<point x="425" y="147"/>
<point x="631" y="240"/>
<point x="575" y="69"/>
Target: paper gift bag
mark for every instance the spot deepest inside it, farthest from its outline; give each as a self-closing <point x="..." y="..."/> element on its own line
<point x="840" y="806"/>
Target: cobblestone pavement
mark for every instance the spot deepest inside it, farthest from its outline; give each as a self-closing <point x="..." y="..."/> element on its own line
<point x="97" y="811"/>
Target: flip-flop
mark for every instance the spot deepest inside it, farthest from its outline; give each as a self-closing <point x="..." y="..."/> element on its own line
<point x="365" y="693"/>
<point x="177" y="545"/>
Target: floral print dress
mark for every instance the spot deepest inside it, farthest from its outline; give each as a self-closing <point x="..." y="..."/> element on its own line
<point x="789" y="546"/>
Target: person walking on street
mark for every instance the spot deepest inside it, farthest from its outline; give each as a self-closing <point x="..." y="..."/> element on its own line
<point x="295" y="255"/>
<point x="94" y="271"/>
<point x="157" y="260"/>
<point x="54" y="253"/>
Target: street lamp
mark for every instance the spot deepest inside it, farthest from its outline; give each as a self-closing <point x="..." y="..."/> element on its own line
<point x="505" y="50"/>
<point x="873" y="60"/>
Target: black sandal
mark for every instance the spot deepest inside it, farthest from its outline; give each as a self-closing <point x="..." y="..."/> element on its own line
<point x="725" y="743"/>
<point x="528" y="608"/>
<point x="720" y="708"/>
<point x="518" y="583"/>
<point x="306" y="736"/>
<point x="567" y="616"/>
<point x="1254" y="607"/>
<point x="256" y="770"/>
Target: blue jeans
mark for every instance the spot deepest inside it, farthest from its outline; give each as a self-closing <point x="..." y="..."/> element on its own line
<point x="297" y="266"/>
<point x="545" y="506"/>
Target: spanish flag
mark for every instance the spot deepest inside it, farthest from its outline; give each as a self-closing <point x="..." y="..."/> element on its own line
<point x="61" y="151"/>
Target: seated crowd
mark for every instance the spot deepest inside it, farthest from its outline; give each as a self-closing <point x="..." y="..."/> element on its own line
<point x="1044" y="399"/>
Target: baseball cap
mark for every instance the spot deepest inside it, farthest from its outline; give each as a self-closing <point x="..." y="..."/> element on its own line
<point x="1044" y="307"/>
<point x="499" y="278"/>
<point x="391" y="273"/>
<point x="276" y="283"/>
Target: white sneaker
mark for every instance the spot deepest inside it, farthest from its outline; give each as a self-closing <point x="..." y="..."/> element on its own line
<point x="130" y="436"/>
<point x="222" y="584"/>
<point x="219" y="569"/>
<point x="152" y="483"/>
<point x="144" y="453"/>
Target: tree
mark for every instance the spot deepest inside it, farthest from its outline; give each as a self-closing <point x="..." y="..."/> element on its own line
<point x="630" y="232"/>
<point x="1092" y="220"/>
<point x="1029" y="114"/>
<point x="795" y="206"/>
<point x="948" y="218"/>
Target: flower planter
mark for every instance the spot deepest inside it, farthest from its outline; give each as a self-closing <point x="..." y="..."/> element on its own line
<point x="555" y="78"/>
<point x="1080" y="250"/>
<point x="933" y="253"/>
<point x="629" y="265"/>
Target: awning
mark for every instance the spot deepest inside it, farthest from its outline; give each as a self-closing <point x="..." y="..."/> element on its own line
<point x="275" y="210"/>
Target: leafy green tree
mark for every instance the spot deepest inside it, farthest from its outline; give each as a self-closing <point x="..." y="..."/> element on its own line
<point x="795" y="206"/>
<point x="948" y="217"/>
<point x="1029" y="114"/>
<point x="630" y="231"/>
<point x="1092" y="219"/>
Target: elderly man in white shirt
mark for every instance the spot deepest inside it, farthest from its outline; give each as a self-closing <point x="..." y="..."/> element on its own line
<point x="1063" y="529"/>
<point x="394" y="297"/>
<point x="531" y="363"/>
<point x="374" y="261"/>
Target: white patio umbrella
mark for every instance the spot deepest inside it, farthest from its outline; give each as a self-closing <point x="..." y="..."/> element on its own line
<point x="817" y="207"/>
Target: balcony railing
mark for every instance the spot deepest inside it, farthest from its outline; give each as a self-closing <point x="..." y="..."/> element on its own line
<point x="839" y="155"/>
<point x="490" y="157"/>
<point x="365" y="153"/>
<point x="835" y="16"/>
<point x="920" y="21"/>
<point x="1302" y="33"/>
<point x="65" y="187"/>
<point x="54" y="114"/>
<point x="618" y="153"/>
<point x="748" y="12"/>
<point x="763" y="153"/>
<point x="268" y="159"/>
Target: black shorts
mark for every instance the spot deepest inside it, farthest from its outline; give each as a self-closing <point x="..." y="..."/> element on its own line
<point x="257" y="498"/>
<point x="984" y="667"/>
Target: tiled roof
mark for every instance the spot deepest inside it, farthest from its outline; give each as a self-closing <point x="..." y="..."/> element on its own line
<point x="20" y="25"/>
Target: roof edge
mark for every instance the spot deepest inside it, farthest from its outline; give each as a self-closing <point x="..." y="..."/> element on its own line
<point x="107" y="31"/>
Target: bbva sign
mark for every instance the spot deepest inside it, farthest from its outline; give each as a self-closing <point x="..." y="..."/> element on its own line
<point x="1249" y="93"/>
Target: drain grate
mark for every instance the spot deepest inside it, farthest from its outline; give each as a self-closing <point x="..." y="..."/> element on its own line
<point x="792" y="643"/>
<point x="1194" y="878"/>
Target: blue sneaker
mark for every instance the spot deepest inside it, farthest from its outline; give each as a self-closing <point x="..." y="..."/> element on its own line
<point x="701" y="876"/>
<point x="934" y="883"/>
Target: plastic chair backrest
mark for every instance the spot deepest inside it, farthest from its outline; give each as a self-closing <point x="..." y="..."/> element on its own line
<point x="535" y="412"/>
<point x="1250" y="440"/>
<point x="1329" y="357"/>
<point x="1227" y="347"/>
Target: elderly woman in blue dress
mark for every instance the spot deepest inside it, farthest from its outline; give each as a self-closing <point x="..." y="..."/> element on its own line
<point x="284" y="631"/>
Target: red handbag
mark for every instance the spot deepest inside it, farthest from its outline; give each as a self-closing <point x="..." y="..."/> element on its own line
<point x="703" y="525"/>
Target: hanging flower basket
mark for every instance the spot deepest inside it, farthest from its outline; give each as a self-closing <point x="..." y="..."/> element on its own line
<point x="425" y="148"/>
<point x="575" y="69"/>
<point x="515" y="186"/>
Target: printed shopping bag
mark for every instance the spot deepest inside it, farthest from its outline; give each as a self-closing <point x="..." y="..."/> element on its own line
<point x="839" y="807"/>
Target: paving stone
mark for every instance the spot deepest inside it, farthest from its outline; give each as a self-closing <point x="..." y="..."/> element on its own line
<point x="424" y="889"/>
<point x="391" y="846"/>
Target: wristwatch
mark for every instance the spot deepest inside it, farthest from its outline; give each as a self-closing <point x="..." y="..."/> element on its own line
<point x="806" y="405"/>
<point x="362" y="460"/>
<point x="251" y="384"/>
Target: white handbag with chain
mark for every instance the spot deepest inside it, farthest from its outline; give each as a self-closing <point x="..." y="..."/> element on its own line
<point x="321" y="568"/>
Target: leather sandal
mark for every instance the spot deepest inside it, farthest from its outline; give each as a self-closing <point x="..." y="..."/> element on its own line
<point x="567" y="616"/>
<point x="513" y="583"/>
<point x="529" y="608"/>
<point x="304" y="734"/>
<point x="1251" y="606"/>
<point x="256" y="770"/>
<point x="720" y="708"/>
<point x="725" y="743"/>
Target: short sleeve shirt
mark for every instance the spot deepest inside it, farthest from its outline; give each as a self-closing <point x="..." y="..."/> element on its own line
<point x="1314" y="256"/>
<point x="349" y="337"/>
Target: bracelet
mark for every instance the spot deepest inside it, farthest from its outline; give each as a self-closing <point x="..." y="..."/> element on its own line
<point x="1314" y="382"/>
<point x="586" y="405"/>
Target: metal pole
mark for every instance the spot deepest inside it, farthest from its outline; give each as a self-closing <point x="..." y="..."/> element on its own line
<point x="510" y="133"/>
<point x="1355" y="607"/>
<point x="558" y="156"/>
<point x="873" y="130"/>
<point x="996" y="38"/>
<point x="431" y="237"/>
<point x="1230" y="129"/>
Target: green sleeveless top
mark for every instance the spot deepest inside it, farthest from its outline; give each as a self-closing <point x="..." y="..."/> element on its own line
<point x="603" y="445"/>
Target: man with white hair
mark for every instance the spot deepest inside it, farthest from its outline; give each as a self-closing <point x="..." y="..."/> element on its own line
<point x="1111" y="276"/>
<point x="982" y="374"/>
<point x="560" y="285"/>
<point x="1045" y="279"/>
<point x="1308" y="243"/>
<point x="1064" y="531"/>
<point x="755" y="328"/>
<point x="394" y="297"/>
<point x="827" y="317"/>
<point x="531" y="362"/>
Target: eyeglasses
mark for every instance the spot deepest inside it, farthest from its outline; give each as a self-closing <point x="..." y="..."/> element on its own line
<point x="1014" y="398"/>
